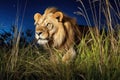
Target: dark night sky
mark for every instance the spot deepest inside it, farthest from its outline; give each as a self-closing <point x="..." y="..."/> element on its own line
<point x="10" y="8"/>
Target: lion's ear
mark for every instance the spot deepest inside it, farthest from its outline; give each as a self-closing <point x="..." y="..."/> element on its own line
<point x="37" y="17"/>
<point x="58" y="15"/>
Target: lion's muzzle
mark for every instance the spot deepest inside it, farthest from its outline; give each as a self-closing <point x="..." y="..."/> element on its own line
<point x="42" y="38"/>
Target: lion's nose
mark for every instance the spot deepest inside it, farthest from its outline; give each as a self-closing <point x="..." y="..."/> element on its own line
<point x="39" y="33"/>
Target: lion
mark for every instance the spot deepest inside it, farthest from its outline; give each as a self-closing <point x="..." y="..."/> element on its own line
<point x="59" y="31"/>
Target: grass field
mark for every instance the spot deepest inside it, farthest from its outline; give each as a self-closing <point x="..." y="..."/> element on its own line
<point x="98" y="58"/>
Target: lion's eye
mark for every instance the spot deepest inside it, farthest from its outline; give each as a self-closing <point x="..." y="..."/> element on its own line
<point x="49" y="26"/>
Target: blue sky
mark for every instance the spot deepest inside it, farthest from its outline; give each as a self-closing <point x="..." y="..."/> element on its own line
<point x="11" y="10"/>
<point x="8" y="10"/>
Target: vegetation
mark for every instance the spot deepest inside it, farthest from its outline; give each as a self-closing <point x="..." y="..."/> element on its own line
<point x="98" y="55"/>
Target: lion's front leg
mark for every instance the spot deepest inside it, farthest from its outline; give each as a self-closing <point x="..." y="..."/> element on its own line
<point x="69" y="56"/>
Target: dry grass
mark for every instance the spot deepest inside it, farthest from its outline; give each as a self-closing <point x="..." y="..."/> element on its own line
<point x="98" y="55"/>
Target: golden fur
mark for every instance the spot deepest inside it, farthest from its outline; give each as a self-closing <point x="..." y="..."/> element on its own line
<point x="57" y="30"/>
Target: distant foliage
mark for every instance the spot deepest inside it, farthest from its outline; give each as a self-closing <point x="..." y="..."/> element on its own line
<point x="6" y="38"/>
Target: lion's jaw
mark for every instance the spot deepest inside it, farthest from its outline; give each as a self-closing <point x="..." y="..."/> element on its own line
<point x="40" y="40"/>
<point x="41" y="36"/>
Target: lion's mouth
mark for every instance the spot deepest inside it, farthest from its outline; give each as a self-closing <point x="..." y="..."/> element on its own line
<point x="42" y="41"/>
<point x="42" y="38"/>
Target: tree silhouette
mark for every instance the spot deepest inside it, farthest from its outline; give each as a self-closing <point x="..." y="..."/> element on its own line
<point x="29" y="33"/>
<point x="7" y="38"/>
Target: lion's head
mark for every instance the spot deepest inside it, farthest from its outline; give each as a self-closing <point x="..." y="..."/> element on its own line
<point x="55" y="28"/>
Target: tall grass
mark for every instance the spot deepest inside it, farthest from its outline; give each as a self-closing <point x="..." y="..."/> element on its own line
<point x="98" y="56"/>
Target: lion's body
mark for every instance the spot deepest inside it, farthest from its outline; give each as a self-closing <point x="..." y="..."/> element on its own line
<point x="57" y="30"/>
